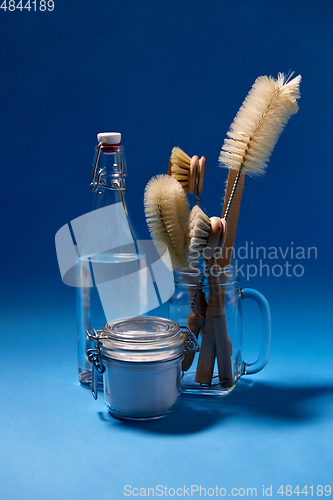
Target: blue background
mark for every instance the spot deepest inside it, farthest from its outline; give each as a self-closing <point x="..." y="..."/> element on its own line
<point x="164" y="74"/>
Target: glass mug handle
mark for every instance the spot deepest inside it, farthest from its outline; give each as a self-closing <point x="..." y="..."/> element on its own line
<point x="249" y="369"/>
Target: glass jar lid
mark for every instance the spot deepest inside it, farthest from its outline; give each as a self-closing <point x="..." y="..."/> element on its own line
<point x="141" y="339"/>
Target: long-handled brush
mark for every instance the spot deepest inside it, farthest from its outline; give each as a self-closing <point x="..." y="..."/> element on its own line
<point x="257" y="127"/>
<point x="251" y="139"/>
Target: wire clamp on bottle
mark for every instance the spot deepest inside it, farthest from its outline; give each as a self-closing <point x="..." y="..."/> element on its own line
<point x="94" y="185"/>
<point x="94" y="357"/>
<point x="191" y="345"/>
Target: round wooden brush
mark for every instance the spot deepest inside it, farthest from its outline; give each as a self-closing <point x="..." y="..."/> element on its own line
<point x="215" y="313"/>
<point x="197" y="234"/>
<point x="198" y="231"/>
<point x="189" y="172"/>
<point x="167" y="210"/>
<point x="205" y="237"/>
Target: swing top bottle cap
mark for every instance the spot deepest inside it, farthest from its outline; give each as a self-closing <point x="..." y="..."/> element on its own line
<point x="109" y="137"/>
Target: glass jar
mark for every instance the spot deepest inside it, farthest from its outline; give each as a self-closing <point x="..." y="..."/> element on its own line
<point x="140" y="359"/>
<point x="209" y="302"/>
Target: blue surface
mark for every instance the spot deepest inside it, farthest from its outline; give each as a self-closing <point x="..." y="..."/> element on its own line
<point x="164" y="74"/>
<point x="56" y="442"/>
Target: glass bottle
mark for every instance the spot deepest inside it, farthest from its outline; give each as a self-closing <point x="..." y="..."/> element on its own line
<point x="111" y="271"/>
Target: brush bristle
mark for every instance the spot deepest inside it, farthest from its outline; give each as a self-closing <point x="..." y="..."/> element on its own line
<point x="179" y="167"/>
<point x="167" y="211"/>
<point x="259" y="123"/>
<point x="198" y="229"/>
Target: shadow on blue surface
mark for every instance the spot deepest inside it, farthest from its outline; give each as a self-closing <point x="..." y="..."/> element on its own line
<point x="261" y="402"/>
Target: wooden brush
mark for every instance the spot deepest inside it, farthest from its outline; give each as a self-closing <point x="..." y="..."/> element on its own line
<point x="257" y="127"/>
<point x="167" y="211"/>
<point x="251" y="139"/>
<point x="214" y="311"/>
<point x="215" y="339"/>
<point x="202" y="232"/>
<point x="200" y="236"/>
<point x="197" y="234"/>
<point x="188" y="171"/>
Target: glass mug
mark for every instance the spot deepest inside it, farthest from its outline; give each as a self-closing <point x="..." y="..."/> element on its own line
<point x="209" y="303"/>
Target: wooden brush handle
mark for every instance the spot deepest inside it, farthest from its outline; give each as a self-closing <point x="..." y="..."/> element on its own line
<point x="196" y="318"/>
<point x="223" y="345"/>
<point x="205" y="368"/>
<point x="222" y="340"/>
<point x="200" y="304"/>
<point x="206" y="359"/>
<point x="225" y="260"/>
<point x="194" y="323"/>
<point x="215" y="339"/>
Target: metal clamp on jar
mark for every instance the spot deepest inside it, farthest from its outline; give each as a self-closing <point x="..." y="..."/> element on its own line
<point x="140" y="359"/>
